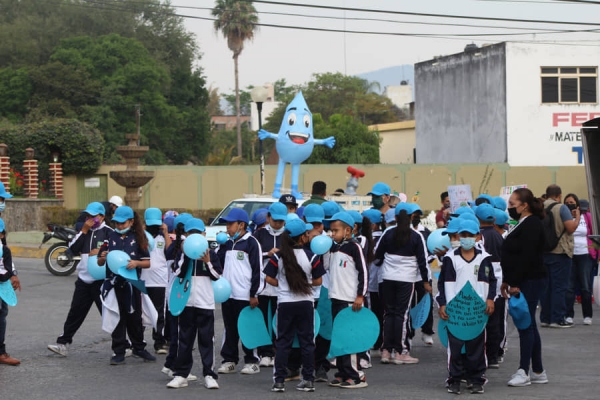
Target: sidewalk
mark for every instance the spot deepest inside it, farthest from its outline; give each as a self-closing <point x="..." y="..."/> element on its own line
<point x="27" y="244"/>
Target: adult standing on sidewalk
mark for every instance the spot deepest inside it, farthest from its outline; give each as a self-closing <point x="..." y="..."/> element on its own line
<point x="523" y="272"/>
<point x="559" y="260"/>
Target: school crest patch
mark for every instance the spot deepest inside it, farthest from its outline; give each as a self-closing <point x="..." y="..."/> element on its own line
<point x="160" y="245"/>
<point x="240" y="255"/>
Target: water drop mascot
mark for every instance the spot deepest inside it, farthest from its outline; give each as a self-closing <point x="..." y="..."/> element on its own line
<point x="295" y="142"/>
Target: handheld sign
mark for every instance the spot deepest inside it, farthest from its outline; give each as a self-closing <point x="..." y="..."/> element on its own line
<point x="443" y="332"/>
<point x="324" y="309"/>
<point x="252" y="328"/>
<point x="296" y="342"/>
<point x="420" y="312"/>
<point x="180" y="292"/>
<point x="7" y="293"/>
<point x="353" y="332"/>
<point x="459" y="195"/>
<point x="466" y="312"/>
<point x="96" y="271"/>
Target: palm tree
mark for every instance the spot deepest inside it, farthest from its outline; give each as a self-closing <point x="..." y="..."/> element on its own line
<point x="236" y="20"/>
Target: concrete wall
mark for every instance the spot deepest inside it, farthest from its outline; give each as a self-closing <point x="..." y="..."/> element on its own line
<point x="460" y="103"/>
<point x="397" y="142"/>
<point x="26" y="214"/>
<point x="214" y="187"/>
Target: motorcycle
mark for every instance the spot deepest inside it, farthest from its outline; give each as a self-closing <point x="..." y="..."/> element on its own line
<point x="59" y="259"/>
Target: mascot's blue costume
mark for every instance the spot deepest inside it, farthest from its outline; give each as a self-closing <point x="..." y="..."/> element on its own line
<point x="295" y="142"/>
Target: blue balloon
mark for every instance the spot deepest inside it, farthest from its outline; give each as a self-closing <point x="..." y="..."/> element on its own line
<point x="437" y="241"/>
<point x="7" y="293"/>
<point x="252" y="328"/>
<point x="117" y="259"/>
<point x="151" y="243"/>
<point x="321" y="244"/>
<point x="296" y="341"/>
<point x="353" y="332"/>
<point x="222" y="238"/>
<point x="195" y="245"/>
<point x="420" y="312"/>
<point x="221" y="289"/>
<point x="130" y="274"/>
<point x="96" y="271"/>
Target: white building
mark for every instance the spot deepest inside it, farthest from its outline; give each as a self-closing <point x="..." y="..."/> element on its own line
<point x="516" y="103"/>
<point x="400" y="95"/>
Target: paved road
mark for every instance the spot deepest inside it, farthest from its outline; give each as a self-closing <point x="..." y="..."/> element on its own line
<point x="571" y="359"/>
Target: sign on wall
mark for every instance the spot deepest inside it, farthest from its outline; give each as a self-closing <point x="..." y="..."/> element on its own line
<point x="566" y="133"/>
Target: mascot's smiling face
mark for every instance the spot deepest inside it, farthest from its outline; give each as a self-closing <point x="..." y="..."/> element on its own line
<point x="297" y="124"/>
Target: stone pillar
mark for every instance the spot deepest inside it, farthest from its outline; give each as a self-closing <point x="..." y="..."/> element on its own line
<point x="30" y="173"/>
<point x="56" y="180"/>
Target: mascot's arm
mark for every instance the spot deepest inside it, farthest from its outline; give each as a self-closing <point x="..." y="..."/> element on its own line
<point x="262" y="135"/>
<point x="329" y="142"/>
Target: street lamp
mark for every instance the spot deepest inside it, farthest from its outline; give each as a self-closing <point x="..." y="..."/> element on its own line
<point x="259" y="95"/>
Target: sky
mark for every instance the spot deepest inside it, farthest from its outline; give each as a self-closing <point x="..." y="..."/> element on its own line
<point x="296" y="54"/>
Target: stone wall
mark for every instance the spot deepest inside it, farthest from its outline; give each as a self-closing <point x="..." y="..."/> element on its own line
<point x="27" y="214"/>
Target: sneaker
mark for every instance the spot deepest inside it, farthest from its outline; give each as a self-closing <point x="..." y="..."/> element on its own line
<point x="278" y="387"/>
<point x="569" y="320"/>
<point x="227" y="367"/>
<point x="266" y="362"/>
<point x="145" y="355"/>
<point x="427" y="339"/>
<point x="8" y="360"/>
<point x="493" y="363"/>
<point x="60" y="349"/>
<point x="365" y="364"/>
<point x="544" y="325"/>
<point x="292" y="374"/>
<point x="177" y="383"/>
<point x="306" y="386"/>
<point x="500" y="359"/>
<point x="210" y="382"/>
<point x="162" y="350"/>
<point x="167" y="371"/>
<point x="250" y="369"/>
<point x="117" y="359"/>
<point x="385" y="356"/>
<point x="336" y="382"/>
<point x="561" y="324"/>
<point x="351" y="384"/>
<point x="128" y="352"/>
<point x="321" y="375"/>
<point x="454" y="388"/>
<point x="400" y="359"/>
<point x="538" y="378"/>
<point x="362" y="376"/>
<point x="587" y="321"/>
<point x="519" y="379"/>
<point x="476" y="389"/>
<point x="191" y="377"/>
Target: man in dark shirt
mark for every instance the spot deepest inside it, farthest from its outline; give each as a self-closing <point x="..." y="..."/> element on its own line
<point x="442" y="216"/>
<point x="318" y="193"/>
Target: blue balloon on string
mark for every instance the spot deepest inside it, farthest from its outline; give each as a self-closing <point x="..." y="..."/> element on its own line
<point x="438" y="241"/>
<point x="117" y="259"/>
<point x="221" y="290"/>
<point x="252" y="328"/>
<point x="353" y="332"/>
<point x="151" y="242"/>
<point x="7" y="293"/>
<point x="96" y="271"/>
<point x="195" y="245"/>
<point x="321" y="244"/>
<point x="296" y="341"/>
<point x="222" y="238"/>
<point x="420" y="312"/>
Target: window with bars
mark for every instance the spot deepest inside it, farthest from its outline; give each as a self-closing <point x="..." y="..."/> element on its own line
<point x="569" y="85"/>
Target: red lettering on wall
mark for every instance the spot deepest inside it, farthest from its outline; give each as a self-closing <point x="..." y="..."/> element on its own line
<point x="559" y="117"/>
<point x="572" y="119"/>
<point x="578" y="118"/>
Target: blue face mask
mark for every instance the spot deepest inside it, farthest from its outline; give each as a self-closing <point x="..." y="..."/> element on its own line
<point x="122" y="231"/>
<point x="467" y="243"/>
<point x="237" y="235"/>
<point x="2" y="207"/>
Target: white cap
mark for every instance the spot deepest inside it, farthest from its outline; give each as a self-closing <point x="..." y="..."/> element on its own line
<point x="116" y="200"/>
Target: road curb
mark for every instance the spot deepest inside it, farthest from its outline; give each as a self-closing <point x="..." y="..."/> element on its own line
<point x="27" y="251"/>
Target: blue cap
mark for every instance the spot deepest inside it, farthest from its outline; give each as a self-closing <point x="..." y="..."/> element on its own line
<point x="463" y="209"/>
<point x="95" y="208"/>
<point x="355" y="216"/>
<point x="390" y="215"/>
<point x="330" y="208"/>
<point x="417" y="208"/>
<point x="453" y="226"/>
<point x="194" y="224"/>
<point x="297" y="227"/>
<point x="314" y="213"/>
<point x="408" y="207"/>
<point x="501" y="217"/>
<point x="237" y="215"/>
<point x="2" y="225"/>
<point x="123" y="214"/>
<point x="374" y="215"/>
<point x="469" y="226"/>
<point x="182" y="219"/>
<point x="278" y="211"/>
<point x="300" y="211"/>
<point x="485" y="212"/>
<point x="291" y="216"/>
<point x="170" y="223"/>
<point x="153" y="216"/>
<point x="3" y="193"/>
<point x="468" y="216"/>
<point x="342" y="216"/>
<point x="260" y="216"/>
<point x="487" y="197"/>
<point x="379" y="189"/>
<point x="499" y="203"/>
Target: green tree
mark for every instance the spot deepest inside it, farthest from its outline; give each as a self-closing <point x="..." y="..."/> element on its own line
<point x="236" y="20"/>
<point x="245" y="100"/>
<point x="15" y="91"/>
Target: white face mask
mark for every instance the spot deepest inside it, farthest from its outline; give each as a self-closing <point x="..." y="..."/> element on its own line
<point x="277" y="231"/>
<point x="455" y="244"/>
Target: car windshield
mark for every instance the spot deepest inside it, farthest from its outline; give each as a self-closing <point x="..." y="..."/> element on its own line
<point x="249" y="206"/>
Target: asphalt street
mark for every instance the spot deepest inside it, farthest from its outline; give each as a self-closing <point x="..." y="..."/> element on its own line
<point x="571" y="358"/>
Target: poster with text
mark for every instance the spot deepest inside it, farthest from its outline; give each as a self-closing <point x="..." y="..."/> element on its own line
<point x="460" y="195"/>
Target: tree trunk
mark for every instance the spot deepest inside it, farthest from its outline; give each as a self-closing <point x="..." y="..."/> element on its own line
<point x="237" y="108"/>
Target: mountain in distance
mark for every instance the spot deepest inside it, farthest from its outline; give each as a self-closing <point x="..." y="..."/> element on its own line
<point x="391" y="76"/>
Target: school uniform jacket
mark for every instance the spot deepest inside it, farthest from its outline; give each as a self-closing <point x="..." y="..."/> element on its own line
<point x="201" y="295"/>
<point x="348" y="275"/>
<point x="83" y="243"/>
<point x="242" y="261"/>
<point x="456" y="272"/>
<point x="403" y="264"/>
<point x="157" y="275"/>
<point x="492" y="242"/>
<point x="268" y="240"/>
<point x="374" y="270"/>
<point x="129" y="245"/>
<point x="6" y="264"/>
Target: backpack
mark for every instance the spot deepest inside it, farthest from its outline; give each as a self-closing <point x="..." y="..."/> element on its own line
<point x="550" y="236"/>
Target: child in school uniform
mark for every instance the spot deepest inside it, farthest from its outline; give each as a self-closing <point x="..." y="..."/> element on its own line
<point x="294" y="270"/>
<point x="94" y="234"/>
<point x="7" y="273"/>
<point x="156" y="277"/>
<point x="198" y="316"/>
<point x="241" y="257"/>
<point x="128" y="236"/>
<point x="466" y="264"/>
<point x="348" y="282"/>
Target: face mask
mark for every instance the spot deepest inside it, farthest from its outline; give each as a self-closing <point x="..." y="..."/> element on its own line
<point x="277" y="231"/>
<point x="122" y="231"/>
<point x="512" y="212"/>
<point x="455" y="244"/>
<point x="97" y="223"/>
<point x="572" y="206"/>
<point x="467" y="243"/>
<point x="237" y="235"/>
<point x="378" y="202"/>
<point x="416" y="221"/>
<point x="446" y="205"/>
<point x="2" y="207"/>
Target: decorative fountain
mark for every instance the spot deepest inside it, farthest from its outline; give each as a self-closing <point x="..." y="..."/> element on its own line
<point x="132" y="178"/>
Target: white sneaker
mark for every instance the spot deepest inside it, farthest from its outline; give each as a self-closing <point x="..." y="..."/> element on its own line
<point x="427" y="339"/>
<point x="569" y="320"/>
<point x="210" y="382"/>
<point x="365" y="364"/>
<point x="520" y="379"/>
<point x="128" y="352"/>
<point x="191" y="377"/>
<point x="61" y="349"/>
<point x="227" y="368"/>
<point x="167" y="371"/>
<point x="250" y="369"/>
<point x="538" y="378"/>
<point x="587" y="321"/>
<point x="266" y="362"/>
<point x="178" y="382"/>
